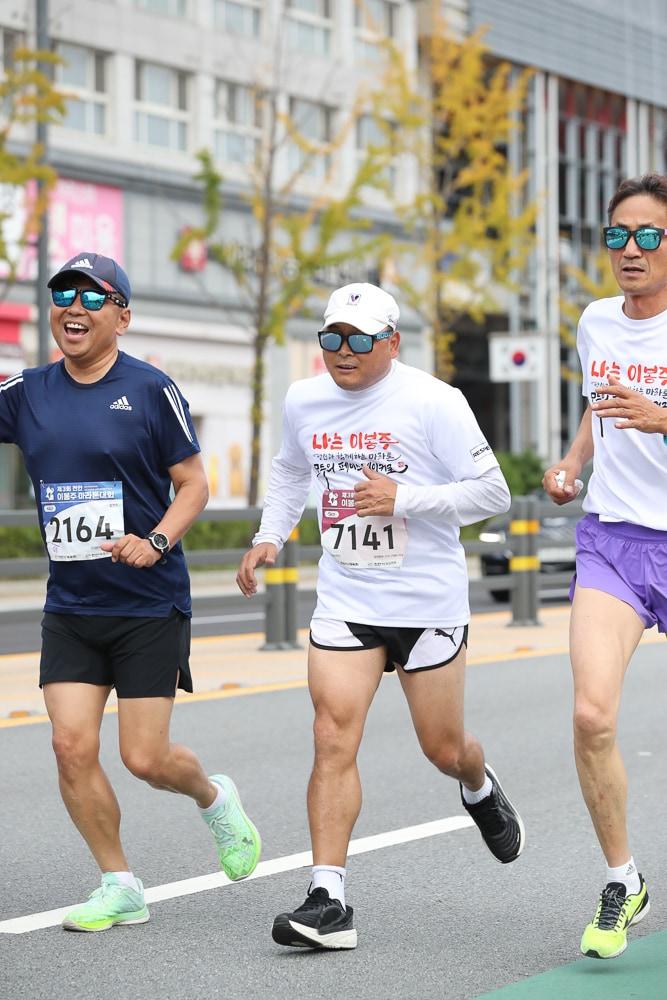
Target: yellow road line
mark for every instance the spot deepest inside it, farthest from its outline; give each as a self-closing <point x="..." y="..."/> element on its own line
<point x="240" y="692"/>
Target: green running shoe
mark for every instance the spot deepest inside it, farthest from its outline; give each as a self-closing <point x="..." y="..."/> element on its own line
<point x="237" y="841"/>
<point x="113" y="903"/>
<point x="607" y="935"/>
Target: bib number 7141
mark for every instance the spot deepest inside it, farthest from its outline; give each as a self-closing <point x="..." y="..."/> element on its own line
<point x="361" y="543"/>
<point x="371" y="537"/>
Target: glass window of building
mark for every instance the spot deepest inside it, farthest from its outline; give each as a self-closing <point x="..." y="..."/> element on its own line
<point x="592" y="156"/>
<point x="309" y="25"/>
<point x="371" y="134"/>
<point x="82" y="77"/>
<point x="9" y="42"/>
<point x="161" y="106"/>
<point x="172" y="8"/>
<point x="238" y="123"/>
<point x="314" y="123"/>
<point x="374" y="20"/>
<point x="238" y="17"/>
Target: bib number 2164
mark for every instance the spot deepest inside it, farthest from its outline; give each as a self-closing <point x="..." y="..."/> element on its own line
<point x="79" y="517"/>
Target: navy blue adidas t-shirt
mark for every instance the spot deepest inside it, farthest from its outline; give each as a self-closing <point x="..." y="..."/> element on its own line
<point x="98" y="456"/>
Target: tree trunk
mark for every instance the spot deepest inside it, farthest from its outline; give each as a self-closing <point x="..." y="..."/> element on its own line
<point x="256" y="414"/>
<point x="443" y="341"/>
<point x="262" y="312"/>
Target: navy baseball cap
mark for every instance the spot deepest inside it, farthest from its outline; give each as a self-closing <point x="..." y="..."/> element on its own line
<point x="103" y="271"/>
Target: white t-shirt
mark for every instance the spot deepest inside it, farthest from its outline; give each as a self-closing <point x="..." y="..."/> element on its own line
<point x="629" y="480"/>
<point x="404" y="570"/>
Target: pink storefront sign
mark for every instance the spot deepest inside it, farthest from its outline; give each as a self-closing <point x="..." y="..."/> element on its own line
<point x="81" y="217"/>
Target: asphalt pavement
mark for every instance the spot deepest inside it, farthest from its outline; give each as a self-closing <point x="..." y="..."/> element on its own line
<point x="437" y="916"/>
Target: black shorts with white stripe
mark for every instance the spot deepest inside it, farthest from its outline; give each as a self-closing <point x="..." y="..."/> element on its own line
<point x="412" y="649"/>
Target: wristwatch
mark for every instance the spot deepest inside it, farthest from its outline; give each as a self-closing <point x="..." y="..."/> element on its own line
<point x="160" y="543"/>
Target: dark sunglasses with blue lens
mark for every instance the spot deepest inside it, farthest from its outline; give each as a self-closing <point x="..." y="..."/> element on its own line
<point x="646" y="237"/>
<point x="90" y="299"/>
<point x="359" y="343"/>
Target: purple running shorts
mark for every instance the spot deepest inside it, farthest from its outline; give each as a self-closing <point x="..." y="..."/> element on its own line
<point x="626" y="561"/>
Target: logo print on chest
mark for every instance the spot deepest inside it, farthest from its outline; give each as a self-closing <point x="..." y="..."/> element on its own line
<point x="122" y="403"/>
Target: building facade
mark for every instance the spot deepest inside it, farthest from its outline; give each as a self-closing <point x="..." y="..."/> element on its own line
<point x="166" y="78"/>
<point x="597" y="113"/>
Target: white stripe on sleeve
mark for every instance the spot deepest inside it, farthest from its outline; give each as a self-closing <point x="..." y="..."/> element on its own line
<point x="175" y="402"/>
<point x="11" y="381"/>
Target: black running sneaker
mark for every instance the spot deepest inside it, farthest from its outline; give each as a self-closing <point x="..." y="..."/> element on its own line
<point x="320" y="922"/>
<point x="498" y="821"/>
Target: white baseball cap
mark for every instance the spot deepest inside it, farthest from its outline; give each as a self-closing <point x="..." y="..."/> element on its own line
<point x="363" y="305"/>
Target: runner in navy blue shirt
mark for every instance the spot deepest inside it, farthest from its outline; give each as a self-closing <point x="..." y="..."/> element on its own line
<point x="106" y="439"/>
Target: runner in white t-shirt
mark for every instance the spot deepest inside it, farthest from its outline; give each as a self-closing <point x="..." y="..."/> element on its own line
<point x="398" y="463"/>
<point x="620" y="585"/>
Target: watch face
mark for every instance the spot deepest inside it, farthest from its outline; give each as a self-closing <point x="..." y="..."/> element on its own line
<point x="159" y="540"/>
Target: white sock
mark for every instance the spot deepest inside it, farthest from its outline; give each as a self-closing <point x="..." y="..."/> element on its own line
<point x="627" y="874"/>
<point x="472" y="798"/>
<point x="332" y="879"/>
<point x="218" y="801"/>
<point x="126" y="878"/>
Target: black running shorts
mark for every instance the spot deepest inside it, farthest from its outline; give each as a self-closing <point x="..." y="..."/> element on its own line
<point x="140" y="657"/>
<point x="412" y="649"/>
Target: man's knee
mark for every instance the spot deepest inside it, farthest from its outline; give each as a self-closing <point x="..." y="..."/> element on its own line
<point x="444" y="752"/>
<point x="336" y="736"/>
<point x="74" y="751"/>
<point x="594" y="725"/>
<point x="143" y="764"/>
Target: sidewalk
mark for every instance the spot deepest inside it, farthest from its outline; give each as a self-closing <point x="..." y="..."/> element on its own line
<point x="228" y="665"/>
<point x="235" y="664"/>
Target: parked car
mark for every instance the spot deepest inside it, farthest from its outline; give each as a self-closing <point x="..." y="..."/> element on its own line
<point x="555" y="546"/>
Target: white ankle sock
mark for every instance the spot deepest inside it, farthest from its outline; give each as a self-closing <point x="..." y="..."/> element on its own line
<point x="627" y="874"/>
<point x="218" y="801"/>
<point x="126" y="878"/>
<point x="472" y="798"/>
<point x="332" y="879"/>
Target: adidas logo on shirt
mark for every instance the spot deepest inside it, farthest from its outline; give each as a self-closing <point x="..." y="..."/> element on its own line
<point x="121" y="404"/>
<point x="84" y="262"/>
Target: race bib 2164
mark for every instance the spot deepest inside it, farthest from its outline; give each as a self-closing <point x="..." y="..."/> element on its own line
<point x="79" y="517"/>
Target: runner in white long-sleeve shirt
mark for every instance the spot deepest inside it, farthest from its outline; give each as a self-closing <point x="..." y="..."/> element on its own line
<point x="398" y="463"/>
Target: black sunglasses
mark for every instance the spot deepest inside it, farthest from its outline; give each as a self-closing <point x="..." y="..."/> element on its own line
<point x="359" y="343"/>
<point x="646" y="238"/>
<point x="90" y="300"/>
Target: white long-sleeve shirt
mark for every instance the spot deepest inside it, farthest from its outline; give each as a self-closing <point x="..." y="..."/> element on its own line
<point x="408" y="569"/>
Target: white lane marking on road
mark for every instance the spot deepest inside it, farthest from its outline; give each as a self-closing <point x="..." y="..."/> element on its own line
<point x="217" y="880"/>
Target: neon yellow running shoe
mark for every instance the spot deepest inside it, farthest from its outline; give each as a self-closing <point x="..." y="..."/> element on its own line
<point x="113" y="903"/>
<point x="607" y="935"/>
<point x="236" y="838"/>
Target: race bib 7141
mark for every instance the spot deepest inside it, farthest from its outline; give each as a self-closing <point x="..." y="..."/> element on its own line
<point x="361" y="542"/>
<point x="79" y="517"/>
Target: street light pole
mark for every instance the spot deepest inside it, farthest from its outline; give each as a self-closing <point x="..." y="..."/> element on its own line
<point x="42" y="292"/>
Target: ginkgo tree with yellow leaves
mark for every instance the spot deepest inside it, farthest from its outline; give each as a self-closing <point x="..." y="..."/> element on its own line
<point x="470" y="223"/>
<point x="292" y="242"/>
<point x="27" y="96"/>
<point x="463" y="231"/>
